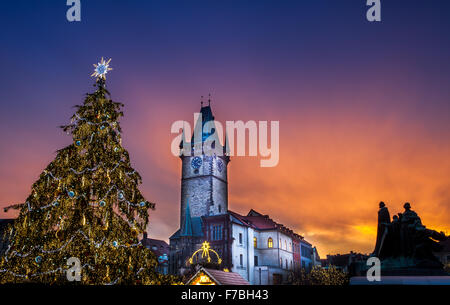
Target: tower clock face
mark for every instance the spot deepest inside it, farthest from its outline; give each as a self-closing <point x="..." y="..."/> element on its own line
<point x="220" y="165"/>
<point x="196" y="162"/>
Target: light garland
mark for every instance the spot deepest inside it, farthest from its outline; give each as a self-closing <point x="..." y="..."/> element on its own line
<point x="91" y="241"/>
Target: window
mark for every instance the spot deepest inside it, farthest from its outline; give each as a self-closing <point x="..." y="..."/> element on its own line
<point x="241" y="260"/>
<point x="270" y="243"/>
<point x="220" y="209"/>
<point x="281" y="262"/>
<point x="306" y="252"/>
<point x="217" y="232"/>
<point x="285" y="245"/>
<point x="240" y="238"/>
<point x="255" y="242"/>
<point x="286" y="264"/>
<point x="256" y="260"/>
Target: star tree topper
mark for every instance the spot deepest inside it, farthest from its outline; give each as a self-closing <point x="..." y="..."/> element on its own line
<point x="101" y="69"/>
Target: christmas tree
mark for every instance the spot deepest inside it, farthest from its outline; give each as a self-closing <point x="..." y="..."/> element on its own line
<point x="85" y="206"/>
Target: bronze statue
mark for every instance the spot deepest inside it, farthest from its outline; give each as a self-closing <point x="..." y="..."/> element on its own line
<point x="405" y="243"/>
<point x="383" y="219"/>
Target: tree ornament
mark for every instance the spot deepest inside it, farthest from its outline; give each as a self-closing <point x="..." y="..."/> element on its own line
<point x="38" y="259"/>
<point x="102" y="203"/>
<point x="71" y="194"/>
<point x="101" y="69"/>
<point x="142" y="204"/>
<point x="121" y="196"/>
<point x="78" y="143"/>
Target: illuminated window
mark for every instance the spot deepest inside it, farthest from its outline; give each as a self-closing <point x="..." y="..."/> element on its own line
<point x="285" y="247"/>
<point x="270" y="242"/>
<point x="255" y="242"/>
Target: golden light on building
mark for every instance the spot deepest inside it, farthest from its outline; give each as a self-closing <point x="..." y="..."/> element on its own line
<point x="203" y="279"/>
<point x="206" y="249"/>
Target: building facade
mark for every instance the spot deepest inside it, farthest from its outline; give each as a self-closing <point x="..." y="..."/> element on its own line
<point x="261" y="250"/>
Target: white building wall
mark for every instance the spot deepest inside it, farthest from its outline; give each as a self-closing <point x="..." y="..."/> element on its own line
<point x="242" y="246"/>
<point x="268" y="258"/>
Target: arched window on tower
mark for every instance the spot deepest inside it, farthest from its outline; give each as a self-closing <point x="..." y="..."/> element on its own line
<point x="255" y="242"/>
<point x="270" y="243"/>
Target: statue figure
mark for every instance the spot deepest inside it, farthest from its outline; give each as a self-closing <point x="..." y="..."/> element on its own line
<point x="383" y="220"/>
<point x="406" y="243"/>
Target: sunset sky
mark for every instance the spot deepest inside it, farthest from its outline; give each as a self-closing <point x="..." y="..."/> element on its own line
<point x="364" y="108"/>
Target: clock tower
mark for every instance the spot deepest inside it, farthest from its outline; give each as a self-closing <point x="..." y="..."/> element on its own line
<point x="204" y="178"/>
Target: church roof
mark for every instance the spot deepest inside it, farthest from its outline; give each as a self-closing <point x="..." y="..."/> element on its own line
<point x="206" y="116"/>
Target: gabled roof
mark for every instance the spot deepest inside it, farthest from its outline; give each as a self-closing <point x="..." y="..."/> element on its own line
<point x="221" y="277"/>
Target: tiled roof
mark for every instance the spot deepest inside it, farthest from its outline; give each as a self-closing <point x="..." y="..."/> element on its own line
<point x="222" y="277"/>
<point x="259" y="221"/>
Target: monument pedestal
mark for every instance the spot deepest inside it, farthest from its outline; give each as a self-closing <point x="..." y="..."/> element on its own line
<point x="402" y="280"/>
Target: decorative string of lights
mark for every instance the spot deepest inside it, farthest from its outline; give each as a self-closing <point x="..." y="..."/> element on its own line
<point x="205" y="248"/>
<point x="100" y="202"/>
<point x="91" y="241"/>
<point x="41" y="273"/>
